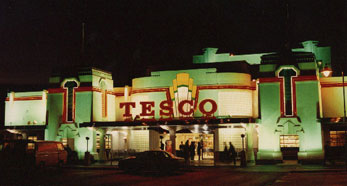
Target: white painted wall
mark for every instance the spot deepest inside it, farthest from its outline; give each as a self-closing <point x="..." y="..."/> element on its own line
<point x="26" y="112"/>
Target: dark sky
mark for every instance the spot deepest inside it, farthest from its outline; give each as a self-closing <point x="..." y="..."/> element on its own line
<point x="126" y="36"/>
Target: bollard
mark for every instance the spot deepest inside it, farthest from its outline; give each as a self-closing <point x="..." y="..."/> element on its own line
<point x="87" y="155"/>
<point x="87" y="158"/>
<point x="243" y="159"/>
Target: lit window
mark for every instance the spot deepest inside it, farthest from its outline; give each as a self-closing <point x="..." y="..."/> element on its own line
<point x="289" y="141"/>
<point x="97" y="142"/>
<point x="33" y="138"/>
<point x="108" y="141"/>
<point x="31" y="145"/>
<point x="337" y="138"/>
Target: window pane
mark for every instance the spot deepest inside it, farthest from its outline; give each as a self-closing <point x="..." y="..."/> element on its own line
<point x="337" y="138"/>
<point x="289" y="141"/>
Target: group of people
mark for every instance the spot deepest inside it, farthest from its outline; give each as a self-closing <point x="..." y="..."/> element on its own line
<point x="230" y="154"/>
<point x="188" y="150"/>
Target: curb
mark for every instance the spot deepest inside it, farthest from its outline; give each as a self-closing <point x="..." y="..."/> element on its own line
<point x="319" y="170"/>
<point x="235" y="168"/>
<point x="93" y="167"/>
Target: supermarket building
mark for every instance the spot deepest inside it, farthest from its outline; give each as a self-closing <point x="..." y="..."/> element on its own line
<point x="281" y="103"/>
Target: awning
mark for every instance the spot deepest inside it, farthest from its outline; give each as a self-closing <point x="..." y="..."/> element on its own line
<point x="27" y="127"/>
<point x="173" y="122"/>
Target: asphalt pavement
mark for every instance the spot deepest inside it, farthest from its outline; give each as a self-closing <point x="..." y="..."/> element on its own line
<point x="286" y="166"/>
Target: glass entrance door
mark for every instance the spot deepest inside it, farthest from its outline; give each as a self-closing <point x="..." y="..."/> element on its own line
<point x="207" y="151"/>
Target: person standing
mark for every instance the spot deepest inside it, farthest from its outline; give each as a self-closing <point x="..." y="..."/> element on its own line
<point x="232" y="153"/>
<point x="186" y="152"/>
<point x="225" y="154"/>
<point x="162" y="146"/>
<point x="181" y="153"/>
<point x="192" y="150"/>
<point x="199" y="149"/>
<point x="161" y="143"/>
<point x="326" y="153"/>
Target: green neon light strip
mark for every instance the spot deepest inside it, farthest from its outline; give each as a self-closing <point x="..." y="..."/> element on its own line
<point x="182" y="86"/>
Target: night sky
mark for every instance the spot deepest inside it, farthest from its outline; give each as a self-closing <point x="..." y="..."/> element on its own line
<point x="125" y="36"/>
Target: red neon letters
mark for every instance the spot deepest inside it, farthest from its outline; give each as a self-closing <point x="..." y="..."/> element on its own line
<point x="147" y="108"/>
<point x="166" y="105"/>
<point x="213" y="109"/>
<point x="181" y="105"/>
<point x="166" y="108"/>
<point x="127" y="108"/>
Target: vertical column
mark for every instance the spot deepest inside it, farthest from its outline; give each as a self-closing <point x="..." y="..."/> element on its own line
<point x="216" y="144"/>
<point x="102" y="153"/>
<point x="172" y="131"/>
<point x="126" y="140"/>
<point x="250" y="135"/>
<point x="153" y="140"/>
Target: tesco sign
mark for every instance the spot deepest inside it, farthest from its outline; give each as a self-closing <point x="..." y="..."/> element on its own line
<point x="166" y="108"/>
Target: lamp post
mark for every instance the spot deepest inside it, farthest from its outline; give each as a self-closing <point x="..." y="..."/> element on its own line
<point x="243" y="153"/>
<point x="87" y="154"/>
<point x="87" y="138"/>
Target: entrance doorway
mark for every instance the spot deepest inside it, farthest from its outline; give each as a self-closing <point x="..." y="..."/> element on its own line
<point x="289" y="146"/>
<point x="205" y="139"/>
<point x="68" y="142"/>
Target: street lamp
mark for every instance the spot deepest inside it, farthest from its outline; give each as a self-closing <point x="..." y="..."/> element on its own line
<point x="326" y="71"/>
<point x="87" y="138"/>
<point x="87" y="154"/>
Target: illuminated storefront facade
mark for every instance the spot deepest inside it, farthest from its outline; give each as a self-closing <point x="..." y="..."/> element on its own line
<point x="282" y="105"/>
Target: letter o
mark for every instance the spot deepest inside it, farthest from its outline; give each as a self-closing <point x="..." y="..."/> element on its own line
<point x="202" y="107"/>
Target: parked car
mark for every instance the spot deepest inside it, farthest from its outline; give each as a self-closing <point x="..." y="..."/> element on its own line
<point x="50" y="153"/>
<point x="19" y="153"/>
<point x="154" y="160"/>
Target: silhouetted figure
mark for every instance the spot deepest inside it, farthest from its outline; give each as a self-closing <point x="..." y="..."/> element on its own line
<point x="232" y="153"/>
<point x="186" y="152"/>
<point x="107" y="153"/>
<point x="199" y="149"/>
<point x="162" y="146"/>
<point x="181" y="149"/>
<point x="192" y="150"/>
<point x="326" y="153"/>
<point x="225" y="152"/>
<point x="68" y="149"/>
<point x="69" y="153"/>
